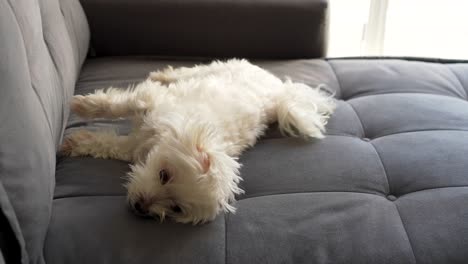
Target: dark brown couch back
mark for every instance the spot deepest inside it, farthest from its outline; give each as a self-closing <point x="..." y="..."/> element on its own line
<point x="209" y="28"/>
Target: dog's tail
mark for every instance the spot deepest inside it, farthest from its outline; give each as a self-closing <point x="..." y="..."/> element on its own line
<point x="304" y="111"/>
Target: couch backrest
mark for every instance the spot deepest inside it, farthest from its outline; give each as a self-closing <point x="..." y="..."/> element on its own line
<point x="42" y="46"/>
<point x="209" y="28"/>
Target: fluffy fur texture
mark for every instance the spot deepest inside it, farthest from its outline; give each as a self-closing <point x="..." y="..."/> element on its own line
<point x="190" y="125"/>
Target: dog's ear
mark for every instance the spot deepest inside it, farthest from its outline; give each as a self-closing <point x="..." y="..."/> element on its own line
<point x="204" y="159"/>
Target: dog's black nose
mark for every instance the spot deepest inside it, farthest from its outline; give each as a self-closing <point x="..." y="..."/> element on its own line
<point x="140" y="209"/>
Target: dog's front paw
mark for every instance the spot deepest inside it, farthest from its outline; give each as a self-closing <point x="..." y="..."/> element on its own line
<point x="77" y="105"/>
<point x="90" y="106"/>
<point x="66" y="147"/>
<point x="70" y="145"/>
<point x="163" y="77"/>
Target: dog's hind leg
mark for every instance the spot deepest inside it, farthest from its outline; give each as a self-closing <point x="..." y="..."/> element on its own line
<point x="115" y="102"/>
<point x="104" y="144"/>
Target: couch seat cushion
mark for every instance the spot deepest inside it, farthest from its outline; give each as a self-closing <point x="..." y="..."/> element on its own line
<point x="387" y="185"/>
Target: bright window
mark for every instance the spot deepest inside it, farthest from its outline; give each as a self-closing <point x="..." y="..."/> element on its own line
<point x="422" y="28"/>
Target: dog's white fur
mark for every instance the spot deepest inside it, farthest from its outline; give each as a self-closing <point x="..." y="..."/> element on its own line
<point x="193" y="123"/>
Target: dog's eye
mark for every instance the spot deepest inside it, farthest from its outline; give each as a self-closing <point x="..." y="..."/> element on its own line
<point x="164" y="176"/>
<point x="176" y="209"/>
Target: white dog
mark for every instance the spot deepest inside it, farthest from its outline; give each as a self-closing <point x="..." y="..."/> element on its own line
<point x="190" y="125"/>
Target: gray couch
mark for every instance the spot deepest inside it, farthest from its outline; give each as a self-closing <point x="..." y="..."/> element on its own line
<point x="387" y="185"/>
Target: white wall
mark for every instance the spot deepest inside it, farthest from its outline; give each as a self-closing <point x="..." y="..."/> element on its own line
<point x="425" y="28"/>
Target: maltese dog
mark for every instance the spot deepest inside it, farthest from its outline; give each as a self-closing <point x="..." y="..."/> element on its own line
<point x="189" y="127"/>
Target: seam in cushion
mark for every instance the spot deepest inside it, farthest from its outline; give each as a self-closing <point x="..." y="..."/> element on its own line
<point x="344" y="100"/>
<point x="32" y="84"/>
<point x="383" y="167"/>
<point x="87" y="195"/>
<point x="406" y="232"/>
<point x="459" y="81"/>
<point x="241" y="199"/>
<point x="359" y="96"/>
<point x="431" y="189"/>
<point x="305" y="192"/>
<point x="262" y="139"/>
<point x="373" y="147"/>
<point x="418" y="131"/>
<point x="359" y="118"/>
<point x="337" y="79"/>
<point x="61" y="81"/>
<point x="339" y="134"/>
<point x="51" y="187"/>
<point x="76" y="56"/>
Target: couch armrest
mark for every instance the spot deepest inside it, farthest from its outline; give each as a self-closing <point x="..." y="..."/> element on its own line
<point x="209" y="28"/>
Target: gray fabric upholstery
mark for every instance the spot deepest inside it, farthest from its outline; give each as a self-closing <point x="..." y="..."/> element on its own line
<point x="387" y="185"/>
<point x="209" y="28"/>
<point x="43" y="44"/>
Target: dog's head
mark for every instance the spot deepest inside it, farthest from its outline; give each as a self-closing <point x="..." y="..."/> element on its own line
<point x="186" y="176"/>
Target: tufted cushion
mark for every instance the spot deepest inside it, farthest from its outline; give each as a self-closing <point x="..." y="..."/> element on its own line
<point x="43" y="44"/>
<point x="387" y="185"/>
